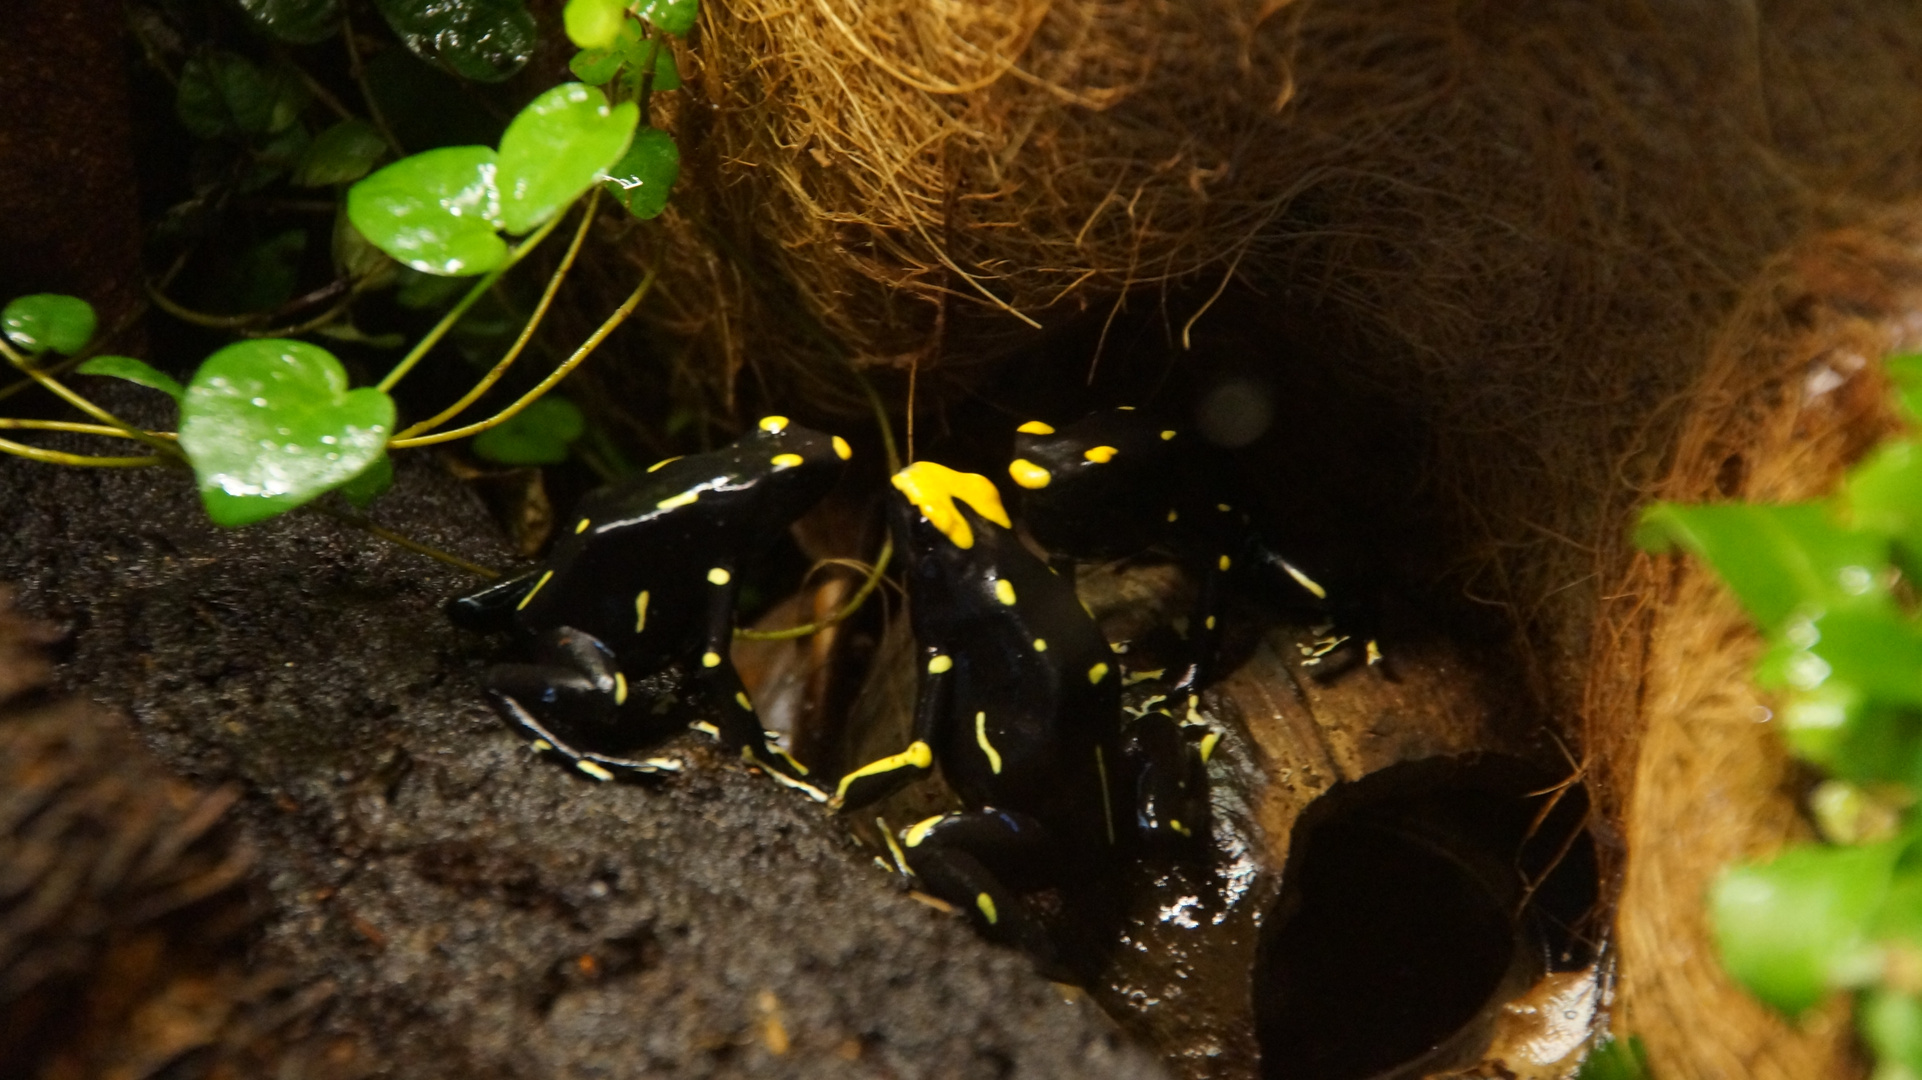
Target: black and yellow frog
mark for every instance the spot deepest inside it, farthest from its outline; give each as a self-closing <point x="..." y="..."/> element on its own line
<point x="646" y="576"/>
<point x="1019" y="701"/>
<point x="1120" y="481"/>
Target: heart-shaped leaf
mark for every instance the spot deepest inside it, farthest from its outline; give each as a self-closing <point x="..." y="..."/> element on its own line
<point x="562" y="142"/>
<point x="537" y="435"/>
<point x="134" y="371"/>
<point x="645" y="175"/>
<point x="483" y="40"/>
<point x="343" y="153"/>
<point x="270" y="425"/>
<point x="436" y="212"/>
<point x="49" y="321"/>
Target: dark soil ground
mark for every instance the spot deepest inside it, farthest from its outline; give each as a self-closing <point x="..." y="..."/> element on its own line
<point x="475" y="912"/>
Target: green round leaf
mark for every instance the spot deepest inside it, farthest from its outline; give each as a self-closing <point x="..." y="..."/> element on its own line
<point x="301" y="22"/>
<point x="270" y="425"/>
<point x="674" y="16"/>
<point x="537" y="435"/>
<point x="645" y="175"/>
<point x="1795" y="928"/>
<point x="562" y="142"/>
<point x="49" y="321"/>
<point x="594" y="24"/>
<point x="595" y="66"/>
<point x="342" y="154"/>
<point x="482" y="40"/>
<point x="134" y="371"/>
<point x="436" y="212"/>
<point x="223" y="95"/>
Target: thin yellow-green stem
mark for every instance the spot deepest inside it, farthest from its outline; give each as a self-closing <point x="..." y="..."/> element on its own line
<point x="474" y="294"/>
<point x="587" y="347"/>
<point x="55" y="457"/>
<point x="78" y="401"/>
<point x="847" y="610"/>
<point x="7" y="422"/>
<point x="401" y="541"/>
<point x="199" y="318"/>
<point x="527" y="331"/>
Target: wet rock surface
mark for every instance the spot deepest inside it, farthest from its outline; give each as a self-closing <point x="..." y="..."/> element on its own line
<point x="476" y="912"/>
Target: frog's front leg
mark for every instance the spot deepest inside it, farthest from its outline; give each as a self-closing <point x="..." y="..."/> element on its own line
<point x="972" y="859"/>
<point x="574" y="685"/>
<point x="491" y="610"/>
<point x="739" y="725"/>
<point x="878" y="779"/>
<point x="1170" y="780"/>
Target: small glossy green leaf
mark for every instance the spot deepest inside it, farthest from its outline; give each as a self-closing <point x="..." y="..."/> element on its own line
<point x="1776" y="559"/>
<point x="1793" y="929"/>
<point x="134" y="371"/>
<point x="436" y="212"/>
<point x="674" y="16"/>
<point x="371" y="484"/>
<point x="270" y="424"/>
<point x="223" y="95"/>
<point x="301" y="22"/>
<point x="49" y="321"/>
<point x="666" y="75"/>
<point x="340" y="155"/>
<point x="595" y="67"/>
<point x="482" y="40"/>
<point x="645" y="175"/>
<point x="593" y="24"/>
<point x="537" y="435"/>
<point x="563" y="141"/>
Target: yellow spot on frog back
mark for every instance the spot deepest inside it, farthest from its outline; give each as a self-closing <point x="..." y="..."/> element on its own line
<point x="1097" y="673"/>
<point x="1040" y="644"/>
<point x="620" y="689"/>
<point x="986" y="904"/>
<point x="1035" y="427"/>
<point x="1100" y="455"/>
<point x="710" y="659"/>
<point x="719" y="576"/>
<point x="1166" y="435"/>
<point x="532" y="591"/>
<point x="773" y="425"/>
<point x="1028" y="474"/>
<point x="981" y="736"/>
<point x="582" y="527"/>
<point x="1225" y="563"/>
<point x="675" y="502"/>
<point x="1004" y="591"/>
<point x="740" y="698"/>
<point x="594" y="771"/>
<point x="786" y="461"/>
<point x="640" y="612"/>
<point x="841" y="448"/>
<point x="933" y="489"/>
<point x="940" y="664"/>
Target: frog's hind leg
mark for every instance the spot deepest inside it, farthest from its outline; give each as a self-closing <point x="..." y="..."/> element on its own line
<point x="970" y="859"/>
<point x="574" y="684"/>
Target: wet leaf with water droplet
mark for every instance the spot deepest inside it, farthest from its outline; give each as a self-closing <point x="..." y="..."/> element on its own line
<point x="270" y="424"/>
<point x="645" y="175"/>
<point x="482" y="40"/>
<point x="561" y="143"/>
<point x="674" y="16"/>
<point x="301" y="22"/>
<point x="436" y="212"/>
<point x="341" y="154"/>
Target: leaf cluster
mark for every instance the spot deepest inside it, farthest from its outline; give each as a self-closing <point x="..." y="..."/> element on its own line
<point x="1829" y="583"/>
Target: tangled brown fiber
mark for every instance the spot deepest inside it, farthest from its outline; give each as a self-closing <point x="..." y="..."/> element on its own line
<point x="1791" y="397"/>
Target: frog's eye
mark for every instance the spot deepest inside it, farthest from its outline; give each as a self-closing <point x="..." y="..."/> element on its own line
<point x="773" y="425"/>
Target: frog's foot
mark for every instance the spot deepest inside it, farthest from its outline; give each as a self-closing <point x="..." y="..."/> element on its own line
<point x="967" y="859"/>
<point x="593" y="765"/>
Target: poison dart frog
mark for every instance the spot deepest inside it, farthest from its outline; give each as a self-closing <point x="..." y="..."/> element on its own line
<point x="1119" y="481"/>
<point x="1019" y="700"/>
<point x="646" y="576"/>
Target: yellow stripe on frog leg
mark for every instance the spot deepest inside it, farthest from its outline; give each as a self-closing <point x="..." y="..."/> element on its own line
<point x="620" y="689"/>
<point x="1028" y="474"/>
<point x="532" y="591"/>
<point x="1035" y="427"/>
<point x="981" y="736"/>
<point x="1314" y="587"/>
<point x="920" y="829"/>
<point x="933" y="489"/>
<point x="675" y="502"/>
<point x="740" y="698"/>
<point x="918" y="755"/>
<point x="665" y="461"/>
<point x="594" y="771"/>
